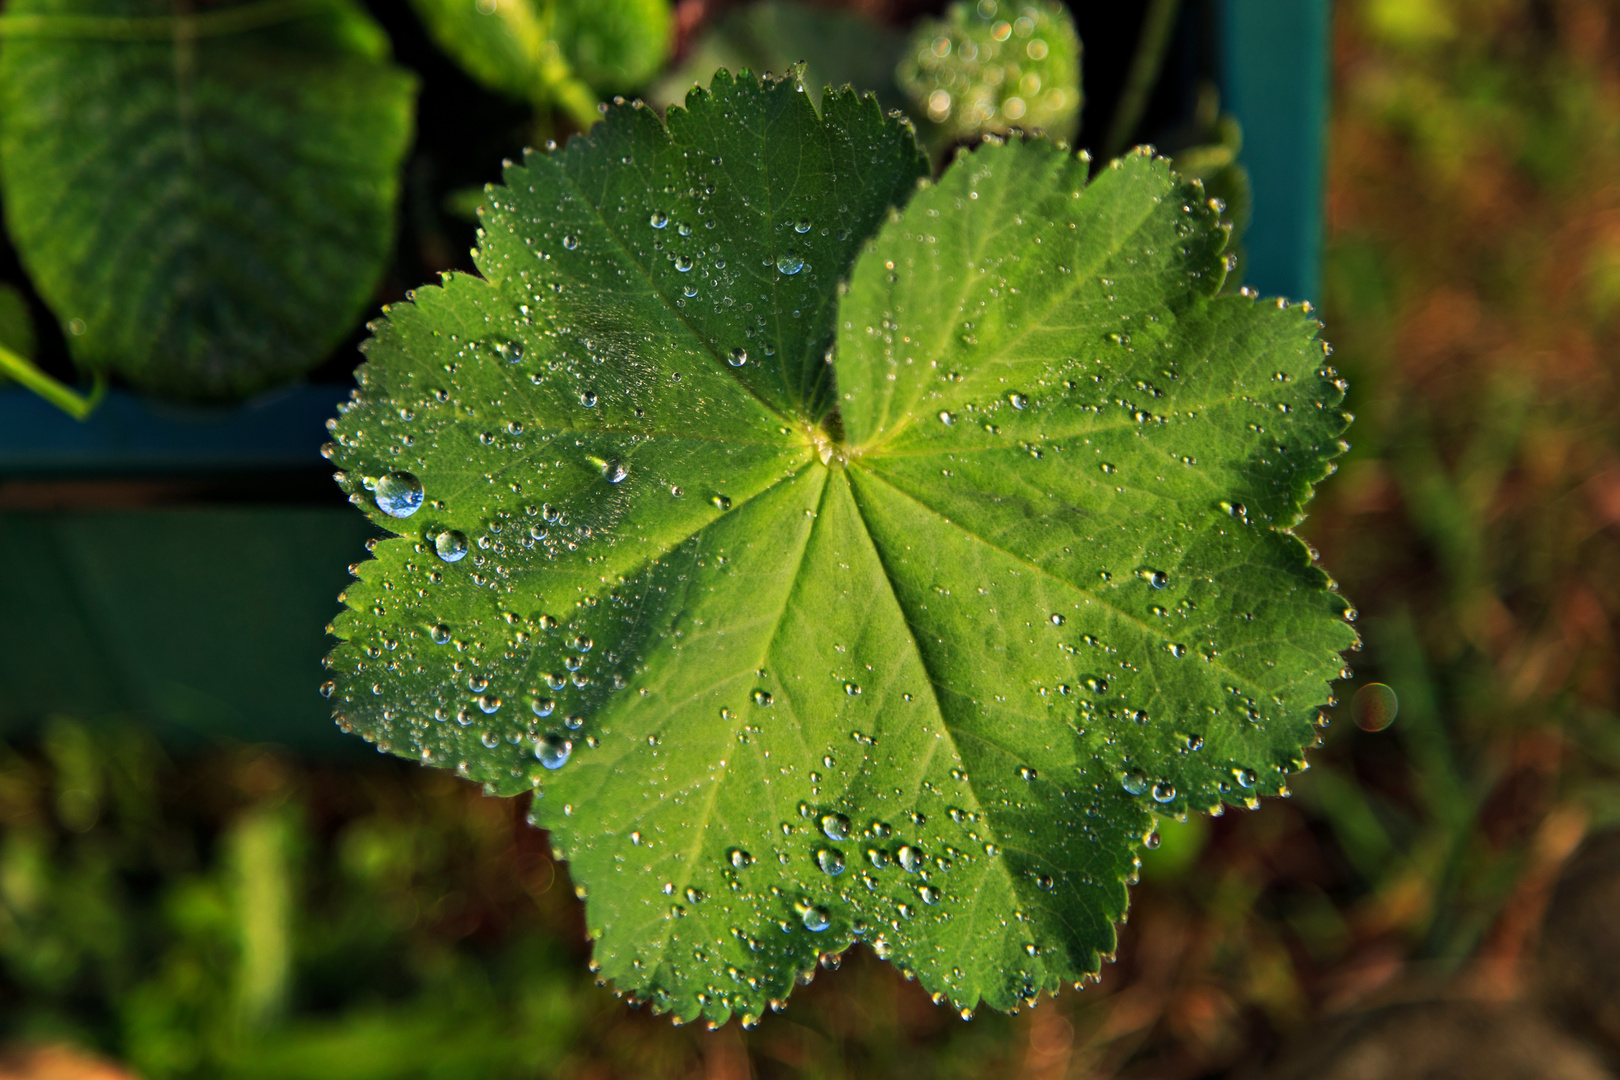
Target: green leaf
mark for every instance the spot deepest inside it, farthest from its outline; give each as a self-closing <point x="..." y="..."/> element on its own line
<point x="836" y="48"/>
<point x="564" y="52"/>
<point x="915" y="656"/>
<point x="993" y="67"/>
<point x="205" y="201"/>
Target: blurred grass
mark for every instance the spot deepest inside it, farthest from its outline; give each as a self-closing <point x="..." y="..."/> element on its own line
<point x="252" y="916"/>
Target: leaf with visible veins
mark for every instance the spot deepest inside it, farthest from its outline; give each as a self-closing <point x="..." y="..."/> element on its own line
<point x="892" y="611"/>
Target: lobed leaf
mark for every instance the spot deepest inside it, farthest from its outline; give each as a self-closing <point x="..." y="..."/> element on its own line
<point x="206" y="206"/>
<point x="894" y="611"/>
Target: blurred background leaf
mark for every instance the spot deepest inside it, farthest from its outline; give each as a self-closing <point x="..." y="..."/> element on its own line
<point x="206" y="204"/>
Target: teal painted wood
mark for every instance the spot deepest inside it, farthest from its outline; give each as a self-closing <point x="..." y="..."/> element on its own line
<point x="1274" y="58"/>
<point x="129" y="435"/>
<point x="206" y="624"/>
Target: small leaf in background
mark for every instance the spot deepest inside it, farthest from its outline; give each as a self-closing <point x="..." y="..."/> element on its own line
<point x="567" y="53"/>
<point x="836" y="47"/>
<point x="207" y="211"/>
<point x="816" y="613"/>
<point x="16" y="323"/>
<point x="994" y="66"/>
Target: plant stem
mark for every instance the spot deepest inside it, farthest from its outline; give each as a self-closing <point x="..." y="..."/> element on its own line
<point x="76" y="406"/>
<point x="1151" y="46"/>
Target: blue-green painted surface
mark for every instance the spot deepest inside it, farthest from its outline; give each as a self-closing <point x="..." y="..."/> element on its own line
<point x="1274" y="58"/>
<point x="127" y="434"/>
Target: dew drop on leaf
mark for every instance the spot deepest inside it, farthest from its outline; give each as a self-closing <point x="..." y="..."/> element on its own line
<point x="450" y="545"/>
<point x="542" y="706"/>
<point x="399" y="494"/>
<point x="553" y="751"/>
<point x="831" y="861"/>
<point x="816" y="919"/>
<point x="737" y="357"/>
<point x="614" y="470"/>
<point x="1135" y="783"/>
<point x="911" y="859"/>
<point x="789" y="263"/>
<point x="836" y="826"/>
<point x="440" y="634"/>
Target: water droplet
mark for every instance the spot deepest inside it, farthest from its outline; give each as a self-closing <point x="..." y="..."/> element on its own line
<point x="738" y="357"/>
<point x="802" y="225"/>
<point x="683" y="263"/>
<point x="789" y="263"/>
<point x="659" y="219"/>
<point x="929" y="894"/>
<point x="911" y="859"/>
<point x="440" y="634"/>
<point x="831" y="861"/>
<point x="614" y="470"/>
<point x="1027" y="773"/>
<point x="1374" y="707"/>
<point x="570" y="242"/>
<point x="852" y="689"/>
<point x="1057" y="620"/>
<point x="721" y="502"/>
<point x="740" y="858"/>
<point x="542" y="706"/>
<point x="1135" y="783"/>
<point x="1019" y="401"/>
<point x="490" y="740"/>
<point x="762" y="698"/>
<point x="1246" y="778"/>
<point x="816" y="919"/>
<point x="588" y="399"/>
<point x="836" y="826"/>
<point x="450" y="545"/>
<point x="1178" y="651"/>
<point x="1164" y="791"/>
<point x="878" y="857"/>
<point x="489" y="703"/>
<point x="947" y="418"/>
<point x="399" y="494"/>
<point x="553" y="751"/>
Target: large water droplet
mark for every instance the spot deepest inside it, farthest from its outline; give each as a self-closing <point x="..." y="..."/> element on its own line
<point x="910" y="858"/>
<point x="817" y="919"/>
<point x="790" y="263"/>
<point x="614" y="470"/>
<point x="542" y="706"/>
<point x="741" y="858"/>
<point x="831" y="861"/>
<point x="553" y="751"/>
<point x="450" y="545"/>
<point x="659" y="219"/>
<point x="738" y="357"/>
<point x="1164" y="791"/>
<point x="440" y="634"/>
<point x="836" y="826"/>
<point x="1134" y="782"/>
<point x="399" y="494"/>
<point x="1374" y="707"/>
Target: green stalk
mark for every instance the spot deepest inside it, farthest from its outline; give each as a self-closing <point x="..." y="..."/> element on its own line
<point x="1157" y="24"/>
<point x="76" y="406"/>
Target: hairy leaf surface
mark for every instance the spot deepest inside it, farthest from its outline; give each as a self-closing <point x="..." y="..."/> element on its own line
<point x="205" y="201"/>
<point x="812" y="614"/>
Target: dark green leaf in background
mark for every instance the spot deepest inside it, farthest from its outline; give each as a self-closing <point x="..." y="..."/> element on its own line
<point x="563" y="52"/>
<point x="994" y="66"/>
<point x="836" y="47"/>
<point x="891" y="613"/>
<point x="205" y="201"/>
